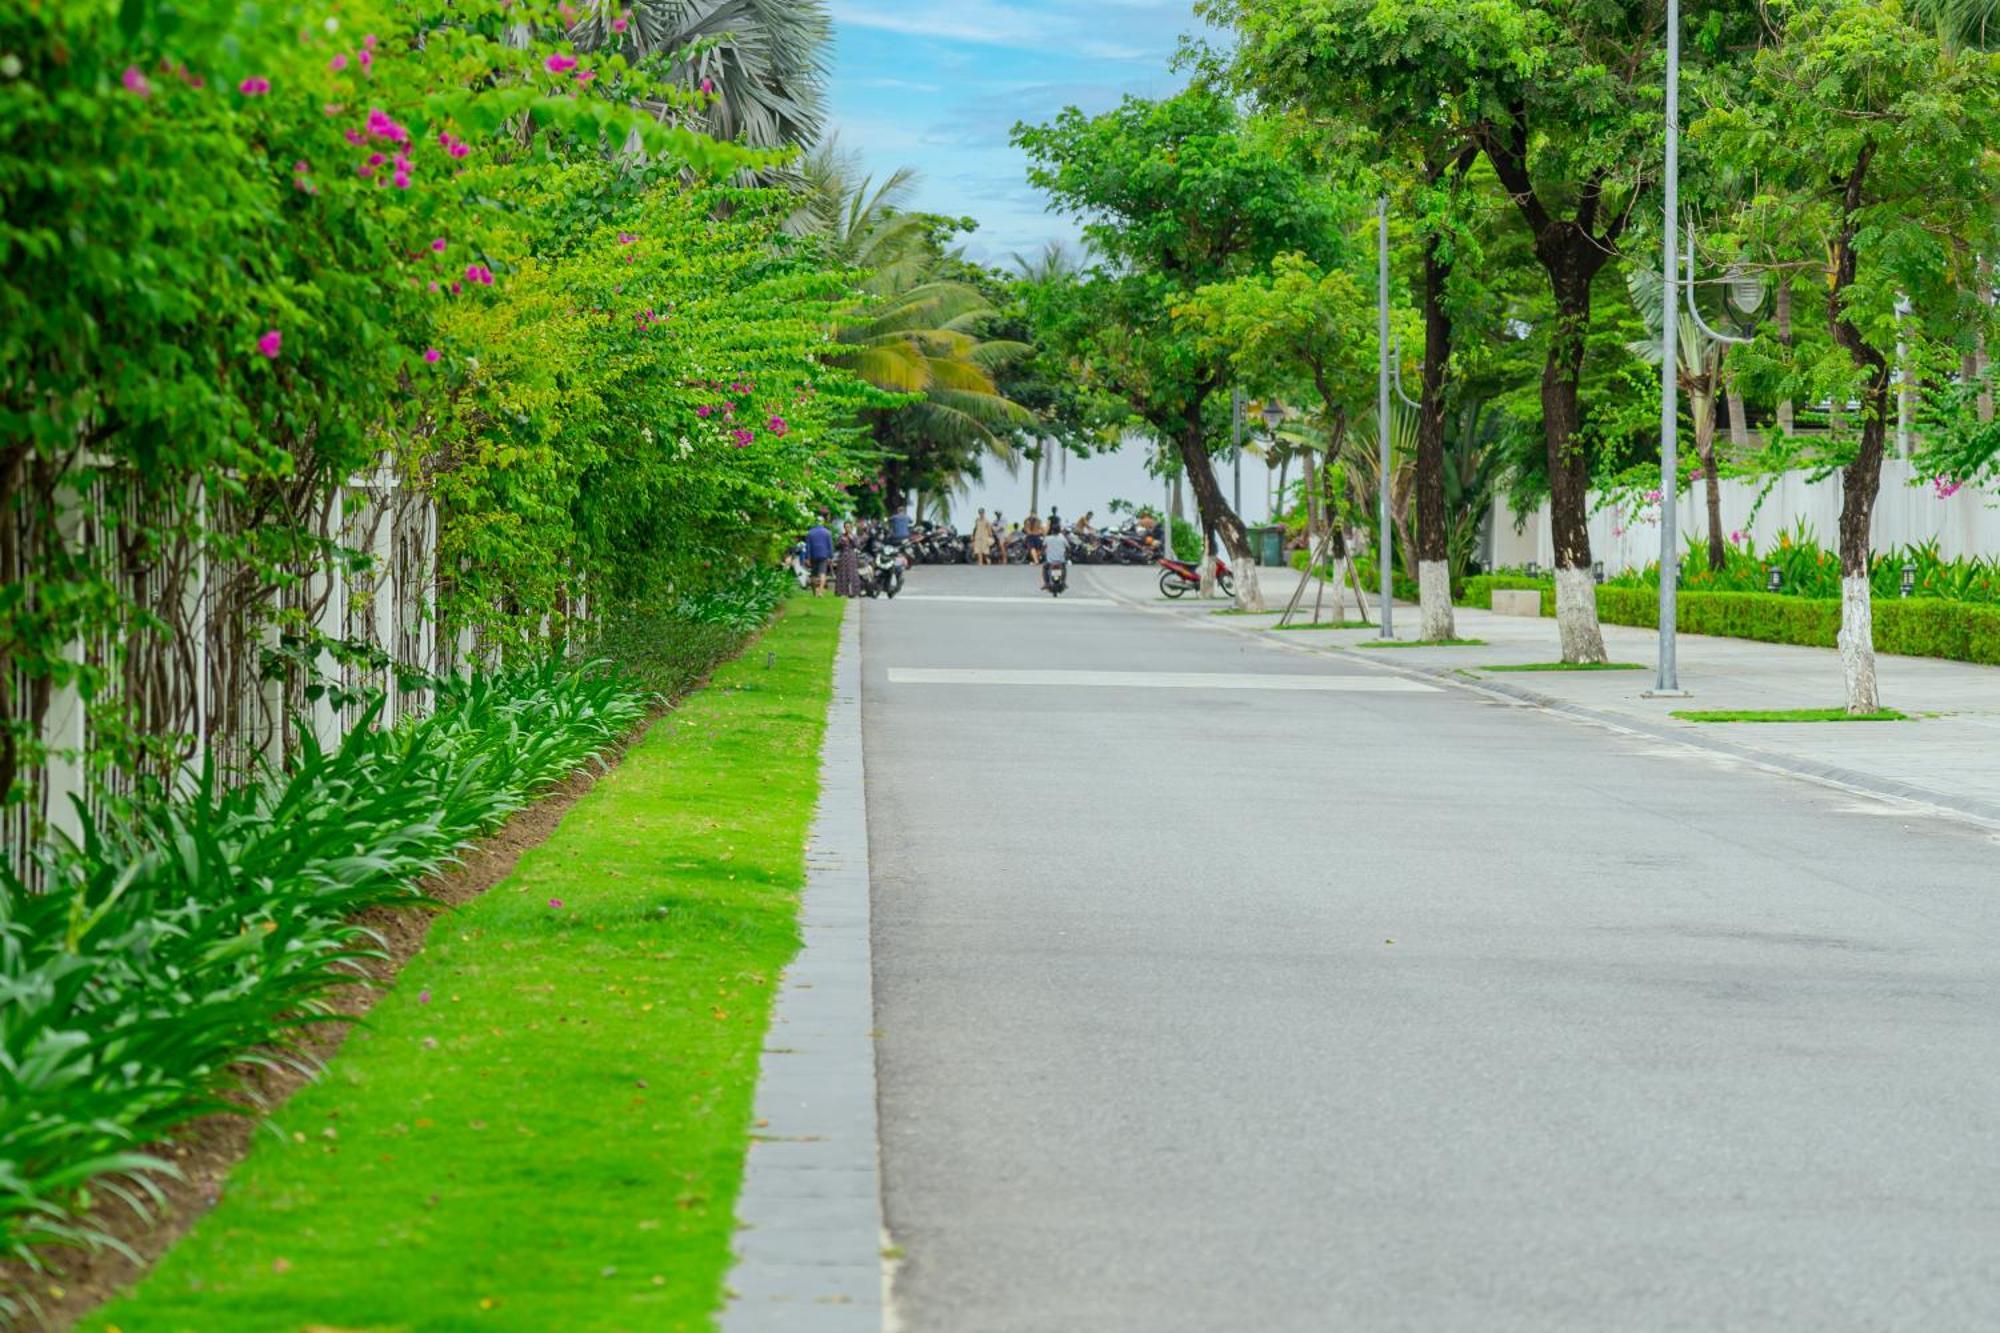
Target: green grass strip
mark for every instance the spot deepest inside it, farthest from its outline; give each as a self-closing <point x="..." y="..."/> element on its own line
<point x="544" y="1125"/>
<point x="1328" y="624"/>
<point x="1791" y="715"/>
<point x="1566" y="666"/>
<point x="1421" y="643"/>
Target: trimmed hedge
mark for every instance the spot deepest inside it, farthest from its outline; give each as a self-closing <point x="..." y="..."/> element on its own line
<point x="1914" y="627"/>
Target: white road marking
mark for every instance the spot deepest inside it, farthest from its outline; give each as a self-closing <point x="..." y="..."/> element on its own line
<point x="1159" y="680"/>
<point x="1043" y="600"/>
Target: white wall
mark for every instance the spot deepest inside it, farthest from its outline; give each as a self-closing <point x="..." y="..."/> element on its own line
<point x="1964" y="524"/>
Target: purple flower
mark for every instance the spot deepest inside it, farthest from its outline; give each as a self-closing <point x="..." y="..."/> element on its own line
<point x="559" y="64"/>
<point x="271" y="344"/>
<point x="254" y="87"/>
<point x="135" y="82"/>
<point x="438" y="245"/>
<point x="743" y="436"/>
<point x="337" y="64"/>
<point x="704" y="411"/>
<point x="555" y="902"/>
<point x="777" y="425"/>
<point x="424" y="995"/>
<point x="708" y="85"/>
<point x="431" y="354"/>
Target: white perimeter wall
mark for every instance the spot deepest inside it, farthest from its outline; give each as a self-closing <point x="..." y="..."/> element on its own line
<point x="1964" y="524"/>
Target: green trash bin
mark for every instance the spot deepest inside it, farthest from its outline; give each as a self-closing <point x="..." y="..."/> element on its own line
<point x="1269" y="544"/>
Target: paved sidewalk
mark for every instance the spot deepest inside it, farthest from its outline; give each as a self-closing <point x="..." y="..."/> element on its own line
<point x="809" y="1257"/>
<point x="1948" y="756"/>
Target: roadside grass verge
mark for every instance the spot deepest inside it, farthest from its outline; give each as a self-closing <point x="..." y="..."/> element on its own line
<point x="1566" y="666"/>
<point x="1790" y="715"/>
<point x="544" y="1124"/>
<point x="1421" y="643"/>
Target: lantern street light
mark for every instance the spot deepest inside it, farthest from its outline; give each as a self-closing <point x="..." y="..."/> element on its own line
<point x="1909" y="578"/>
<point x="1775" y="582"/>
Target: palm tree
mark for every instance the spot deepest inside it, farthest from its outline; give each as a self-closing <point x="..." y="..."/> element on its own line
<point x="1965" y="23"/>
<point x="763" y="60"/>
<point x="1699" y="372"/>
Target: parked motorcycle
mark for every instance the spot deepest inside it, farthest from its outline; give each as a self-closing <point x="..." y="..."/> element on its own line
<point x="1178" y="578"/>
<point x="1055" y="578"/>
<point x="882" y="572"/>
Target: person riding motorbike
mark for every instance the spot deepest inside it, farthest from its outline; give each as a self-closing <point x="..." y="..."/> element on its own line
<point x="1055" y="554"/>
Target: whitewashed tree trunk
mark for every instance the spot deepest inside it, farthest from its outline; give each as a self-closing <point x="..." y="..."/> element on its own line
<point x="1434" y="596"/>
<point x="1207" y="589"/>
<point x="1249" y="593"/>
<point x="1857" y="644"/>
<point x="1576" y="616"/>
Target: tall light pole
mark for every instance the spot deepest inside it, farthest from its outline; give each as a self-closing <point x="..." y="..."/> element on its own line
<point x="1668" y="681"/>
<point x="1385" y="547"/>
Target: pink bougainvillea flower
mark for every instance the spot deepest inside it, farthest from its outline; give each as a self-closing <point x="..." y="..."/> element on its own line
<point x="777" y="425"/>
<point x="739" y="387"/>
<point x="459" y="149"/>
<point x="271" y="344"/>
<point x="401" y="180"/>
<point x="480" y="274"/>
<point x="376" y="159"/>
<point x="135" y="82"/>
<point x="555" y="902"/>
<point x="584" y="75"/>
<point x="456" y="289"/>
<point x="438" y="245"/>
<point x="364" y="171"/>
<point x="355" y="137"/>
<point x="743" y="437"/>
<point x="559" y="64"/>
<point x="704" y="411"/>
<point x="368" y="41"/>
<point x="424" y="995"/>
<point x="431" y="354"/>
<point x="367" y="58"/>
<point x="621" y="23"/>
<point x="708" y="85"/>
<point x="301" y="166"/>
<point x="337" y="64"/>
<point x="626" y="238"/>
<point x="254" y="87"/>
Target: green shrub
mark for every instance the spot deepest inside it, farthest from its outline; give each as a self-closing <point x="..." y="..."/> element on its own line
<point x="1479" y="590"/>
<point x="1913" y="627"/>
<point x="179" y="940"/>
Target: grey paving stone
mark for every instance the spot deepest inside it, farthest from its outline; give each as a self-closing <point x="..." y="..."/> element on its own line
<point x="810" y="1251"/>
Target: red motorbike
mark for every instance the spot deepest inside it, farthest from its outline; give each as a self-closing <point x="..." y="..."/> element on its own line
<point x="1178" y="577"/>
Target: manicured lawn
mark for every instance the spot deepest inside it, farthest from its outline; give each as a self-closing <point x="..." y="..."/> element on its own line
<point x="545" y="1126"/>
<point x="1566" y="666"/>
<point x="1421" y="643"/>
<point x="1791" y="715"/>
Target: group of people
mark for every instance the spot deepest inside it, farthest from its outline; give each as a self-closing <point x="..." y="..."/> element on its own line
<point x="839" y="554"/>
<point x="991" y="535"/>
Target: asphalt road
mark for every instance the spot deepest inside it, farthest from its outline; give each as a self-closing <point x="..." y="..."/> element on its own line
<point x="1338" y="1009"/>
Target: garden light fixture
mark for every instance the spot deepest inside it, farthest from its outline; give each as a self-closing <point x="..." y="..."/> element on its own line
<point x="1909" y="578"/>
<point x="1776" y="580"/>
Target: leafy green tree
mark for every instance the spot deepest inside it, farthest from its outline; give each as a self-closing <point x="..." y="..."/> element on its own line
<point x="1871" y="134"/>
<point x="1173" y="195"/>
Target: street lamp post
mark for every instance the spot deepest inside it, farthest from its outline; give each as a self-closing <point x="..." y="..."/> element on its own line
<point x="1384" y="547"/>
<point x="1667" y="681"/>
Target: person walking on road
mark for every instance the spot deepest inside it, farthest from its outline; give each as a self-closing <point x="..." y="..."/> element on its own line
<point x="847" y="564"/>
<point x="819" y="554"/>
<point x="982" y="538"/>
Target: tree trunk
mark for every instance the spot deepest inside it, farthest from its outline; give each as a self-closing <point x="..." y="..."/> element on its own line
<point x="1704" y="448"/>
<point x="1216" y="514"/>
<point x="1313" y="528"/>
<point x="1569" y="466"/>
<point x="1859" y="483"/>
<point x="1433" y="544"/>
<point x="1785" y="419"/>
<point x="1862" y="477"/>
<point x="1739" y="416"/>
<point x="892" y="483"/>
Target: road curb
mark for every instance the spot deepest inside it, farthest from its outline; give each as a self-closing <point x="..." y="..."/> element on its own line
<point x="1826" y="775"/>
<point x="810" y="1247"/>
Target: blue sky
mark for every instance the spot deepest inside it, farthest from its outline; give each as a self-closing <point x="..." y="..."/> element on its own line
<point x="938" y="84"/>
